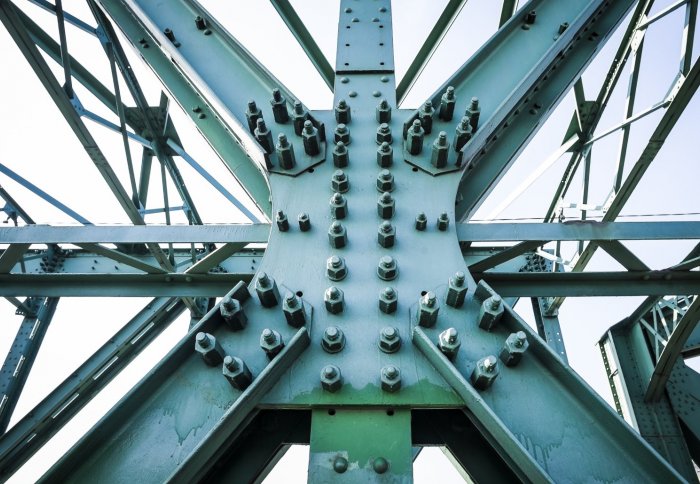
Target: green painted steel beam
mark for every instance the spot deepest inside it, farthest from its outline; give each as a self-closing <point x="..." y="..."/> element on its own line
<point x="24" y="438"/>
<point x="432" y="42"/>
<point x="306" y="40"/>
<point x="513" y="108"/>
<point x="258" y="233"/>
<point x="243" y="157"/>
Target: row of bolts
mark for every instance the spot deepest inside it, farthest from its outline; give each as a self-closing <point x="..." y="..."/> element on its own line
<point x="333" y="340"/>
<point x="304" y="127"/>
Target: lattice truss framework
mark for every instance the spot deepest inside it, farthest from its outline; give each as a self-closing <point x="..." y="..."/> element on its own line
<point x="379" y="320"/>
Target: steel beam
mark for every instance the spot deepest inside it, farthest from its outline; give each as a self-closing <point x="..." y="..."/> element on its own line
<point x="20" y="359"/>
<point x="66" y="400"/>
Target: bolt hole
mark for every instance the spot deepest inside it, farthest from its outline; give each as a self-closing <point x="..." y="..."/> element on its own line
<point x="331" y="411"/>
<point x="299" y="293"/>
<point x="347" y="64"/>
<point x="381" y="43"/>
<point x="390" y="412"/>
<point x="415" y="169"/>
<point x="423" y="293"/>
<point x="310" y="170"/>
<point x="347" y="45"/>
<point x="381" y="26"/>
<point x="381" y="63"/>
<point x="347" y="26"/>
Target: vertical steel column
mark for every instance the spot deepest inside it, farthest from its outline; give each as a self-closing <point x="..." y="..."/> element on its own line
<point x="21" y="356"/>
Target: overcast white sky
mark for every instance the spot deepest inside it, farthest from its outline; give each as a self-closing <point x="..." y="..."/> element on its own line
<point x="38" y="144"/>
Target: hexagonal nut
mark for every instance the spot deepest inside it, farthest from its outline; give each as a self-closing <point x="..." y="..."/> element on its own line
<point x="389" y="340"/>
<point x="310" y="138"/>
<point x="342" y="133"/>
<point x="456" y="290"/>
<point x="233" y="314"/>
<point x="490" y="312"/>
<point x="237" y="373"/>
<point x="391" y="379"/>
<point x="293" y="308"/>
<point x="386" y="235"/>
<point x="333" y="339"/>
<point x="386" y="205"/>
<point x="384" y="134"/>
<point x="266" y="288"/>
<point x="211" y="351"/>
<point x="331" y="378"/>
<point x="428" y="308"/>
<point x="337" y="235"/>
<point x="388" y="300"/>
<point x="385" y="181"/>
<point x="387" y="269"/>
<point x="271" y="342"/>
<point x="339" y="206"/>
<point x="335" y="268"/>
<point x="334" y="299"/>
<point x="485" y="372"/>
<point x="340" y="182"/>
<point x="449" y="343"/>
<point x="513" y="349"/>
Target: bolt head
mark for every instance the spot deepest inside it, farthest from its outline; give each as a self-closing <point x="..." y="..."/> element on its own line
<point x="339" y="182"/>
<point x="428" y="309"/>
<point x="388" y="300"/>
<point x="236" y="372"/>
<point x="293" y="309"/>
<point x="333" y="299"/>
<point x="485" y="372"/>
<point x="449" y="343"/>
<point x="390" y="379"/>
<point x="335" y="268"/>
<point x="387" y="269"/>
<point x="271" y="342"/>
<point x="331" y="380"/>
<point x="333" y="339"/>
<point x="385" y="182"/>
<point x="389" y="340"/>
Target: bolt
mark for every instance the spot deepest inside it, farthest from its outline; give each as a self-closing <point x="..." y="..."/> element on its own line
<point x="443" y="221"/>
<point x="456" y="290"/>
<point x="383" y="111"/>
<point x="232" y="313"/>
<point x="340" y="182"/>
<point x="386" y="235"/>
<point x="340" y="464"/>
<point x="339" y="206"/>
<point x="490" y="313"/>
<point x="337" y="235"/>
<point x="386" y="206"/>
<point x="447" y="104"/>
<point x="211" y="351"/>
<point x="513" y="349"/>
<point x="285" y="152"/>
<point x="485" y="372"/>
<point x="389" y="340"/>
<point x="342" y="133"/>
<point x="312" y="145"/>
<point x="200" y="23"/>
<point x="333" y="340"/>
<point x="237" y="372"/>
<point x="473" y="112"/>
<point x="391" y="379"/>
<point x="426" y="116"/>
<point x="267" y="290"/>
<point x="335" y="268"/>
<point x="463" y="133"/>
<point x="388" y="300"/>
<point x="530" y="17"/>
<point x="385" y="155"/>
<point x="563" y="27"/>
<point x="279" y="107"/>
<point x="334" y="300"/>
<point x="384" y="134"/>
<point x="448" y="342"/>
<point x="252" y="114"/>
<point x="421" y="221"/>
<point x="385" y="181"/>
<point x="342" y="112"/>
<point x="299" y="116"/>
<point x="387" y="268"/>
<point x="440" y="150"/>
<point x="169" y="34"/>
<point x="340" y="155"/>
<point x="380" y="465"/>
<point x="293" y="309"/>
<point x="304" y="222"/>
<point x="414" y="138"/>
<point x="331" y="381"/>
<point x="263" y="135"/>
<point x="428" y="309"/>
<point x="282" y="222"/>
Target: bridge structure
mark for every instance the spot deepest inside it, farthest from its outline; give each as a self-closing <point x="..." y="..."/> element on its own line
<point x="362" y="311"/>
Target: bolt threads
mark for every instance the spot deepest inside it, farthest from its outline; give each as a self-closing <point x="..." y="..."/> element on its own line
<point x="285" y="152"/>
<point x="304" y="222"/>
<point x="421" y="222"/>
<point x="282" y="221"/>
<point x="279" y="107"/>
<point x="383" y="111"/>
<point x="385" y="155"/>
<point x="311" y="140"/>
<point x="340" y="155"/>
<point x="342" y="112"/>
<point x="414" y="138"/>
<point x="443" y="222"/>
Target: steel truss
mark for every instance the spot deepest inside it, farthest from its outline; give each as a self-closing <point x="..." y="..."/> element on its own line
<point x="438" y="358"/>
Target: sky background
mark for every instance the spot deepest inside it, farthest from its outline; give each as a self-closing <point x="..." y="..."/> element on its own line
<point x="37" y="143"/>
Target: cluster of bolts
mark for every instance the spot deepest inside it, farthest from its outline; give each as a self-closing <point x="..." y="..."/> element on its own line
<point x="443" y="222"/>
